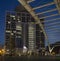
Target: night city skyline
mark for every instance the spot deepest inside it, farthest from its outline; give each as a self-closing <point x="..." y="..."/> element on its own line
<point x="10" y="5"/>
<point x="29" y="30"/>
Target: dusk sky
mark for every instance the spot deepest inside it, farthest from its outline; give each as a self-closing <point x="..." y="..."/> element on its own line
<point x="10" y="5"/>
<point x="5" y="5"/>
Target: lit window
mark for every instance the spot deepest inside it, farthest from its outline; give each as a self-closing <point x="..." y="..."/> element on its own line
<point x="18" y="36"/>
<point x="31" y="28"/>
<point x="8" y="31"/>
<point x="18" y="32"/>
<point x="12" y="16"/>
<point x="18" y="27"/>
<point x="14" y="31"/>
<point x="19" y="21"/>
<point x="7" y="50"/>
<point x="11" y="33"/>
<point x="18" y="18"/>
<point x="9" y="22"/>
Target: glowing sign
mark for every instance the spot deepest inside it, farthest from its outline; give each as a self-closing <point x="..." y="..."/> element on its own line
<point x="24" y="49"/>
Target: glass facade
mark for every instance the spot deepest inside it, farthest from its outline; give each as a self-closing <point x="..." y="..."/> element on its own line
<point x="18" y="30"/>
<point x="21" y="30"/>
<point x="19" y="41"/>
<point x="32" y="37"/>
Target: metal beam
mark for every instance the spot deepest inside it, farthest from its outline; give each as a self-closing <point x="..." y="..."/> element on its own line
<point x="29" y="9"/>
<point x="53" y="32"/>
<point x="54" y="47"/>
<point x="53" y="29"/>
<point x="51" y="20"/>
<point x="29" y="1"/>
<point x="58" y="7"/>
<point x="53" y="24"/>
<point x="49" y="16"/>
<point x="43" y="5"/>
<point x="46" y="11"/>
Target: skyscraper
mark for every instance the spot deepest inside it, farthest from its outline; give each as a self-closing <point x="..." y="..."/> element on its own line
<point x="21" y="30"/>
<point x="18" y="30"/>
<point x="40" y="39"/>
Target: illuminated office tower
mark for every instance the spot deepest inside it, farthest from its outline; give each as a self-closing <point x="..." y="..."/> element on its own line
<point x="21" y="30"/>
<point x="19" y="40"/>
<point x="17" y="28"/>
<point x="40" y="39"/>
<point x="10" y="32"/>
<point x="32" y="37"/>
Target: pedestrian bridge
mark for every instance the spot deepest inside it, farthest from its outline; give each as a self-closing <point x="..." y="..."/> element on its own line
<point x="49" y="10"/>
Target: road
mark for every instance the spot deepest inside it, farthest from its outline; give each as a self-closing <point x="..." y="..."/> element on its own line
<point x="32" y="58"/>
